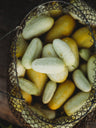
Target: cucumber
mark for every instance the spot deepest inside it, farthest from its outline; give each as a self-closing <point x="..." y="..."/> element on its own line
<point x="63" y="92"/>
<point x="83" y="37"/>
<point x="39" y="79"/>
<point x="81" y="81"/>
<point x="75" y="103"/>
<point x="21" y="46"/>
<point x="49" y="91"/>
<point x="73" y="45"/>
<point x="33" y="51"/>
<point x="28" y="86"/>
<point x="59" y="77"/>
<point x="49" y="65"/>
<point x="91" y="69"/>
<point x="85" y="53"/>
<point x="63" y="26"/>
<point x="49" y="114"/>
<point x="37" y="26"/>
<point x="64" y="52"/>
<point x="20" y="69"/>
<point x="48" y="51"/>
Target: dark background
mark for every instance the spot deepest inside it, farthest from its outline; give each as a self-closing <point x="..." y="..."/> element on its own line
<point x="11" y="14"/>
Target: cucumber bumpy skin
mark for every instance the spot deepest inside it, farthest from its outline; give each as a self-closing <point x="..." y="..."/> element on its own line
<point x="91" y="69"/>
<point x="33" y="51"/>
<point x="37" y="26"/>
<point x="75" y="103"/>
<point x="81" y="81"/>
<point x="49" y="91"/>
<point x="64" y="52"/>
<point x="28" y="86"/>
<point x="49" y="65"/>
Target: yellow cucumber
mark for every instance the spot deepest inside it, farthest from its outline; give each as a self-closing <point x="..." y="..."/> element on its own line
<point x="63" y="92"/>
<point x="83" y="37"/>
<point x="27" y="97"/>
<point x="38" y="78"/>
<point x="63" y="27"/>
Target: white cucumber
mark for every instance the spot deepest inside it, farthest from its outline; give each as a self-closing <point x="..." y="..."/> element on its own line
<point x="20" y="69"/>
<point x="49" y="65"/>
<point x="81" y="81"/>
<point x="37" y="26"/>
<point x="48" y="51"/>
<point x="59" y="77"/>
<point x="75" y="103"/>
<point x="28" y="86"/>
<point x="64" y="52"/>
<point x="49" y="91"/>
<point x="33" y="51"/>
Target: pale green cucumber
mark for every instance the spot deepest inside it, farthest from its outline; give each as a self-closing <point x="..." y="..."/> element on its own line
<point x="49" y="91"/>
<point x="37" y="26"/>
<point x="28" y="86"/>
<point x="46" y="113"/>
<point x="73" y="45"/>
<point x="59" y="77"/>
<point x="64" y="52"/>
<point x="49" y="65"/>
<point x="48" y="51"/>
<point x="50" y="114"/>
<point x="75" y="103"/>
<point x="91" y="69"/>
<point x="85" y="54"/>
<point x="81" y="81"/>
<point x="36" y="110"/>
<point x="33" y="51"/>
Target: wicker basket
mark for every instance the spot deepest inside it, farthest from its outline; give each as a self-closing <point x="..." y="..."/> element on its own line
<point x="27" y="117"/>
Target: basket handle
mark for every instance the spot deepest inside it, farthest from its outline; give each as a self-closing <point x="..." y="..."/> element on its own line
<point x="13" y="30"/>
